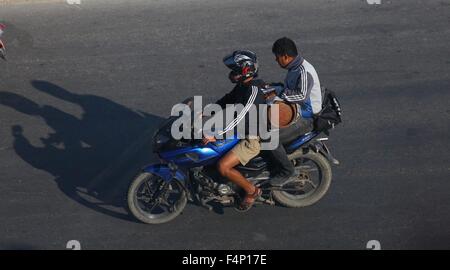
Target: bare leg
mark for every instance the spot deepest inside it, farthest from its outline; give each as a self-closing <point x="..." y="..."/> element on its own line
<point x="226" y="168"/>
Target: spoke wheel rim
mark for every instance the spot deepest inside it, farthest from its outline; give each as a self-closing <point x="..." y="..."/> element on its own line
<point x="154" y="204"/>
<point x="307" y="182"/>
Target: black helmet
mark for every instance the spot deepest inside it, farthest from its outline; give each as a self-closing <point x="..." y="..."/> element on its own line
<point x="243" y="65"/>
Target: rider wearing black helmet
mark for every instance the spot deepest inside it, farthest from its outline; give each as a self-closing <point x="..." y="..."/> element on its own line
<point x="244" y="68"/>
<point x="243" y="65"/>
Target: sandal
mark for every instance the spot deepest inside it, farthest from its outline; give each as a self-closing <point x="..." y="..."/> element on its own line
<point x="249" y="200"/>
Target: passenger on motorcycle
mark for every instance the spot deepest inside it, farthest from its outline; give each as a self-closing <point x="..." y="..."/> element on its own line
<point x="301" y="88"/>
<point x="244" y="69"/>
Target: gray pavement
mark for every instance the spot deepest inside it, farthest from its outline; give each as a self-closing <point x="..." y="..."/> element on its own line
<point x="84" y="84"/>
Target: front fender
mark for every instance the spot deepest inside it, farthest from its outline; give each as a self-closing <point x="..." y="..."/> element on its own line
<point x="165" y="172"/>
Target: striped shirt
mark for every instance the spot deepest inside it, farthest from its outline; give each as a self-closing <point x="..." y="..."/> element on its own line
<point x="247" y="96"/>
<point x="302" y="86"/>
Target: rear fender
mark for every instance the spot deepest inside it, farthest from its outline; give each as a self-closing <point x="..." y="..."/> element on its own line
<point x="319" y="146"/>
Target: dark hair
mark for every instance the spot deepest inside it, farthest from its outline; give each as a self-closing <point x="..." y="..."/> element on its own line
<point x="285" y="46"/>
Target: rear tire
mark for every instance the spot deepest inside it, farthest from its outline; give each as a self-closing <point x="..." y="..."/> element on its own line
<point x="138" y="207"/>
<point x="324" y="172"/>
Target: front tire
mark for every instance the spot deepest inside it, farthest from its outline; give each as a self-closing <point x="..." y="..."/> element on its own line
<point x="298" y="196"/>
<point x="153" y="200"/>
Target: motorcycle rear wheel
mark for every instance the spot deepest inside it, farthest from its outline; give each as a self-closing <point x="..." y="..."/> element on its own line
<point x="315" y="171"/>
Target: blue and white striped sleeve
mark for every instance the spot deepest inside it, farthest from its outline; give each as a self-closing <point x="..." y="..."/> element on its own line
<point x="300" y="89"/>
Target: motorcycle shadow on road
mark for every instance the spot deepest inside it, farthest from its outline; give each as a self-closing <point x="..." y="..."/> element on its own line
<point x="93" y="158"/>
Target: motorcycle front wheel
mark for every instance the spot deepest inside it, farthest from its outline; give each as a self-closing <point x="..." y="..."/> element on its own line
<point x="153" y="200"/>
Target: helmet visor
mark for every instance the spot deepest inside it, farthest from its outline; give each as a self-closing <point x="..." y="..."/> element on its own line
<point x="230" y="62"/>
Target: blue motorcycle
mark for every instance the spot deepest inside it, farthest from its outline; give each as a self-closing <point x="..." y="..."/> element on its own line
<point x="188" y="172"/>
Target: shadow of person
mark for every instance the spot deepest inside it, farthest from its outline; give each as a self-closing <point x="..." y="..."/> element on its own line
<point x="93" y="158"/>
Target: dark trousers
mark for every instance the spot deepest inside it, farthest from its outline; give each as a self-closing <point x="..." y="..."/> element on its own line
<point x="279" y="156"/>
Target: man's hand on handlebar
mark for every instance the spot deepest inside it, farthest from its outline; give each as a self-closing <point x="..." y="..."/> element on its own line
<point x="208" y="139"/>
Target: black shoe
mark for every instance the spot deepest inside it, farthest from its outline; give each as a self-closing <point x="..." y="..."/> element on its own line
<point x="280" y="179"/>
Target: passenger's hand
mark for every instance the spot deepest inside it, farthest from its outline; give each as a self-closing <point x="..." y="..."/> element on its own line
<point x="208" y="139"/>
<point x="270" y="95"/>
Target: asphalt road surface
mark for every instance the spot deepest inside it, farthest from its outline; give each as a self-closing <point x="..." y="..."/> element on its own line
<point x="84" y="83"/>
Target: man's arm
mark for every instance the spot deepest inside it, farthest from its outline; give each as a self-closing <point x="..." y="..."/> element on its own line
<point x="272" y="89"/>
<point x="299" y="87"/>
<point x="247" y="106"/>
<point x="229" y="98"/>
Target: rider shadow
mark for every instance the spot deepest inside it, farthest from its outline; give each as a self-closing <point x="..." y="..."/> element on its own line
<point x="93" y="159"/>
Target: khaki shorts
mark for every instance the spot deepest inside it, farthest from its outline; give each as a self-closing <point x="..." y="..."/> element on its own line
<point x="247" y="149"/>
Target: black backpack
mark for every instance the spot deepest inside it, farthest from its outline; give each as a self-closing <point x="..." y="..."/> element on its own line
<point x="331" y="112"/>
